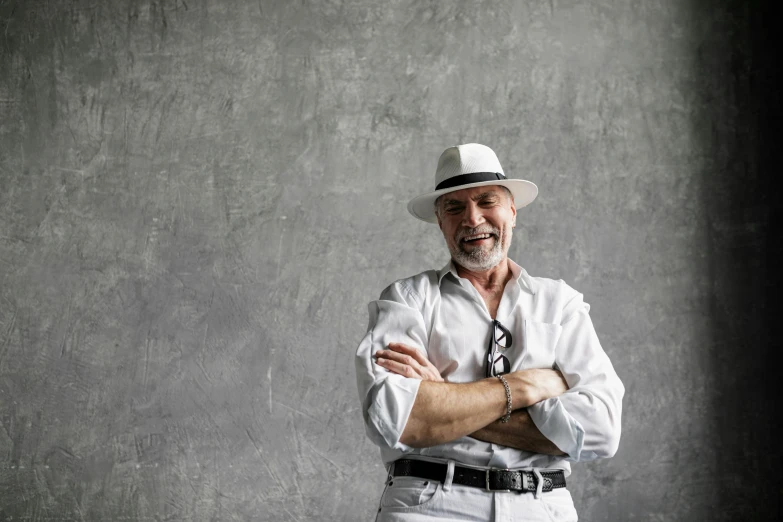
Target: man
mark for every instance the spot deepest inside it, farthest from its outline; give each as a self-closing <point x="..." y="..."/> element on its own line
<point x="479" y="382"/>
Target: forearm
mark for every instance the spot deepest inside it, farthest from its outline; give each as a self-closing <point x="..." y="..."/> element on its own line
<point x="519" y="432"/>
<point x="443" y="412"/>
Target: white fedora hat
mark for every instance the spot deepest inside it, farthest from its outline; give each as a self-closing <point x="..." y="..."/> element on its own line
<point x="466" y="166"/>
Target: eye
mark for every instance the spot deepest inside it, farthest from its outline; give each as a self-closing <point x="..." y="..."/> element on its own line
<point x="453" y="210"/>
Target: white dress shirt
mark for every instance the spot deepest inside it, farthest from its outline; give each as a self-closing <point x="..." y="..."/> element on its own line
<point x="445" y="316"/>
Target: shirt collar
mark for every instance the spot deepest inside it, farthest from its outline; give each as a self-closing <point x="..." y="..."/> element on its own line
<point x="520" y="274"/>
<point x="445" y="270"/>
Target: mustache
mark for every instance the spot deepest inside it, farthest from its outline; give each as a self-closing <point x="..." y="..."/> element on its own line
<point x="478" y="230"/>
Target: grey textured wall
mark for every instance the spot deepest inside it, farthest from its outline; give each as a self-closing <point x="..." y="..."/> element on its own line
<point x="199" y="197"/>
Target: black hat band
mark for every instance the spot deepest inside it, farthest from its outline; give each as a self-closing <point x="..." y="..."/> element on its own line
<point x="466" y="179"/>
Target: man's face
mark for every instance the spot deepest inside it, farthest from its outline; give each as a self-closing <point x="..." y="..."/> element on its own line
<point x="476" y="223"/>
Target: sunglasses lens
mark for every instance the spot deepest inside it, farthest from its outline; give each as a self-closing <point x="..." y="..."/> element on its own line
<point x="502" y="336"/>
<point x="501" y="366"/>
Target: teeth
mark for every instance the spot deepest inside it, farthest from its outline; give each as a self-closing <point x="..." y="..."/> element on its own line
<point x="477" y="236"/>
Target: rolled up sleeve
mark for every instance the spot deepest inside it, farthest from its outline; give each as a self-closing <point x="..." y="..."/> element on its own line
<point x="387" y="398"/>
<point x="584" y="422"/>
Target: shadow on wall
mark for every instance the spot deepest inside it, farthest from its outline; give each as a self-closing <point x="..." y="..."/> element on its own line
<point x="742" y="195"/>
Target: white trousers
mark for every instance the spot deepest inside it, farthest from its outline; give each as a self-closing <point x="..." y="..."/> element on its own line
<point x="411" y="499"/>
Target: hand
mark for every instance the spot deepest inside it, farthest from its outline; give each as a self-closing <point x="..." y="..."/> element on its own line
<point x="520" y="433"/>
<point x="408" y="362"/>
<point x="539" y="384"/>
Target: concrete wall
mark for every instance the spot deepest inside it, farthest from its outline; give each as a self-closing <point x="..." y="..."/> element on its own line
<point x="199" y="197"/>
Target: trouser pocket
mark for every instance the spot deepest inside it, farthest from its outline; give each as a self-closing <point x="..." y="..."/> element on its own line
<point x="408" y="493"/>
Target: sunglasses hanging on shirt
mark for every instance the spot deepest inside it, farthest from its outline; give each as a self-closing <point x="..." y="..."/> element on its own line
<point x="497" y="363"/>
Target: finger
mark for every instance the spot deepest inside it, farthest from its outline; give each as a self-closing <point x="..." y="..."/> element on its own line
<point x="399" y="368"/>
<point x="424" y="367"/>
<point x="399" y="357"/>
<point x="409" y="350"/>
<point x="426" y="374"/>
<point x="404" y="348"/>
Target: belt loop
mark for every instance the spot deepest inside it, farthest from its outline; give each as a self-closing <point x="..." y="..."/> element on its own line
<point x="390" y="475"/>
<point x="539" y="482"/>
<point x="449" y="476"/>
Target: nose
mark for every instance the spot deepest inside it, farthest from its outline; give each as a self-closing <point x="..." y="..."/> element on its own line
<point x="472" y="217"/>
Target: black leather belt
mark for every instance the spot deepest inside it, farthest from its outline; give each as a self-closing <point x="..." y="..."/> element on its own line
<point x="488" y="479"/>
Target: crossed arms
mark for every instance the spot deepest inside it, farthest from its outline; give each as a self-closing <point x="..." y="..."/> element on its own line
<point x="575" y="411"/>
<point x="443" y="411"/>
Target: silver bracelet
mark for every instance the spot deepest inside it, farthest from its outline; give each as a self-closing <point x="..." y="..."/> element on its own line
<point x="507" y="416"/>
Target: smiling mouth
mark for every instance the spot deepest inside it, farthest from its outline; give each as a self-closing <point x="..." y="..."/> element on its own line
<point x="475" y="238"/>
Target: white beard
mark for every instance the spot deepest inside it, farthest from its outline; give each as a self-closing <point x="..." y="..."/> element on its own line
<point x="479" y="259"/>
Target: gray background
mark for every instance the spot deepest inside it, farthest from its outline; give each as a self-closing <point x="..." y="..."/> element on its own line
<point x="199" y="197"/>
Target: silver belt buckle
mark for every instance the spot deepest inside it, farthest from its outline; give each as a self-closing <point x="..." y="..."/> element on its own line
<point x="486" y="479"/>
